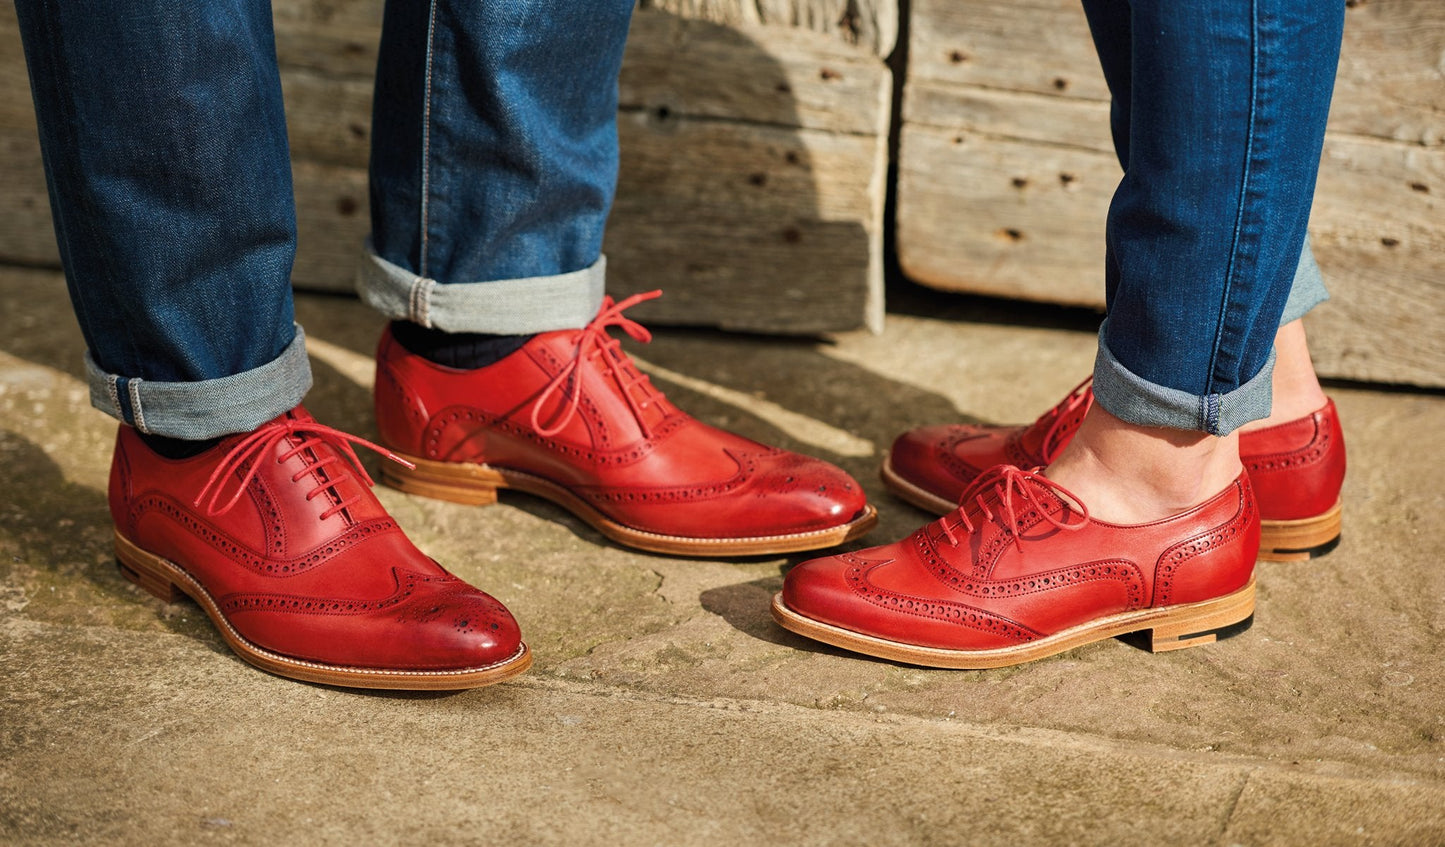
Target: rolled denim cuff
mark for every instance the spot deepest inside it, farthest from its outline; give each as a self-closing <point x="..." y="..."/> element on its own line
<point x="499" y="307"/>
<point x="1308" y="289"/>
<point x="210" y="408"/>
<point x="1131" y="398"/>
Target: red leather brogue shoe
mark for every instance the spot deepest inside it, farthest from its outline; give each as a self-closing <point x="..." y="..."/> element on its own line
<point x="569" y="417"/>
<point x="1297" y="468"/>
<point x="299" y="566"/>
<point x="1020" y="571"/>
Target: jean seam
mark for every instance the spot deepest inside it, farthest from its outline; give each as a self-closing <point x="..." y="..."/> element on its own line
<point x="111" y="383"/>
<point x="1240" y="217"/>
<point x="133" y="389"/>
<point x="419" y="305"/>
<point x="426" y="137"/>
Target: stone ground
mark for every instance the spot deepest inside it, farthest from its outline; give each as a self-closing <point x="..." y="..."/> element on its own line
<point x="665" y="707"/>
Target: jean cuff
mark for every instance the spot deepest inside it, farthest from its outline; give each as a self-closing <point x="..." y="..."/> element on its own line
<point x="209" y="408"/>
<point x="499" y="307"/>
<point x="1133" y="399"/>
<point x="1308" y="289"/>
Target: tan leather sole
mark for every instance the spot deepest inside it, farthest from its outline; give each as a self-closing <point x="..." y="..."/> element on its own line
<point x="1168" y="628"/>
<point x="1298" y="541"/>
<point x="168" y="582"/>
<point x="474" y="484"/>
<point x="1279" y="541"/>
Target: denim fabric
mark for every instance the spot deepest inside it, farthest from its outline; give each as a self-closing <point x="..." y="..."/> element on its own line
<point x="494" y="140"/>
<point x="1218" y="117"/>
<point x="498" y="307"/>
<point x="170" y="184"/>
<point x="1307" y="290"/>
<point x="208" y="408"/>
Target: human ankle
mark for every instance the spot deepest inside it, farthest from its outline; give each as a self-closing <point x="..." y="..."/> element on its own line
<point x="1295" y="387"/>
<point x="1129" y="474"/>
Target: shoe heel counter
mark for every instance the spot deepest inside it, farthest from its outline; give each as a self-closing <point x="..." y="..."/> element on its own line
<point x="1334" y="463"/>
<point x="1303" y="481"/>
<point x="1314" y="485"/>
<point x="1215" y="562"/>
<point x="119" y="489"/>
<point x="401" y="415"/>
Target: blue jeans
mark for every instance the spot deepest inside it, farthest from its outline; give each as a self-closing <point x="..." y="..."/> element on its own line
<point x="1218" y="117"/>
<point x="493" y="167"/>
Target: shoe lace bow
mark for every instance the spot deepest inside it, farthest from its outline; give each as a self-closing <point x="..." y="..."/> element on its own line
<point x="1066" y="417"/>
<point x="1004" y="488"/>
<point x="593" y="341"/>
<point x="258" y="444"/>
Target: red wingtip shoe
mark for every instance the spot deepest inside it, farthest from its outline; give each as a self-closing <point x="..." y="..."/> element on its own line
<point x="299" y="566"/>
<point x="568" y="417"/>
<point x="1020" y="571"/>
<point x="1297" y="468"/>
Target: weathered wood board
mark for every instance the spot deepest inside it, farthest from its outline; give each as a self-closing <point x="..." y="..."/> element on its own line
<point x="752" y="180"/>
<point x="1006" y="169"/>
<point x="753" y="177"/>
<point x="870" y="24"/>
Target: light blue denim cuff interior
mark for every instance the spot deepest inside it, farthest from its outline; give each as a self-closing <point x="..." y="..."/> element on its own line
<point x="1308" y="289"/>
<point x="210" y="408"/>
<point x="500" y="307"/>
<point x="1131" y="398"/>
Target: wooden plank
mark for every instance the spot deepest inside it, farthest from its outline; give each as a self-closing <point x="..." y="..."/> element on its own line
<point x="27" y="236"/>
<point x="748" y="227"/>
<point x="1041" y="46"/>
<point x="869" y="24"/>
<point x="1003" y="216"/>
<point x="1392" y="72"/>
<point x="767" y="75"/>
<point x="1378" y="230"/>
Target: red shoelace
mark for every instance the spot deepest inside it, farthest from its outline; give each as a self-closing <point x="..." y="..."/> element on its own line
<point x="257" y="445"/>
<point x="1065" y="422"/>
<point x="594" y="341"/>
<point x="1003" y="486"/>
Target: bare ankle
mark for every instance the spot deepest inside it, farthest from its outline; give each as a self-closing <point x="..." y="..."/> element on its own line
<point x="1130" y="474"/>
<point x="1295" y="386"/>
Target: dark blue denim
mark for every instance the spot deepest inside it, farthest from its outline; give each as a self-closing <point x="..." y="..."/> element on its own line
<point x="170" y="180"/>
<point x="1219" y="113"/>
<point x="494" y="136"/>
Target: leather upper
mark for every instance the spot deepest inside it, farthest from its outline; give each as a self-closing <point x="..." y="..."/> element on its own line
<point x="305" y="562"/>
<point x="1017" y="562"/>
<point x="582" y="416"/>
<point x="1297" y="468"/>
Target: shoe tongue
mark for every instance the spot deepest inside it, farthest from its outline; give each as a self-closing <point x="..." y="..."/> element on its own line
<point x="298" y="414"/>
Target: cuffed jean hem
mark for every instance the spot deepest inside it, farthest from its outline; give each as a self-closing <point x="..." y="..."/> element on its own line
<point x="1308" y="289"/>
<point x="1135" y="400"/>
<point x="209" y="408"/>
<point x="499" y="307"/>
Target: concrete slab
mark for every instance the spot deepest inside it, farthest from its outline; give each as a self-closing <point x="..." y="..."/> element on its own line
<point x="665" y="707"/>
